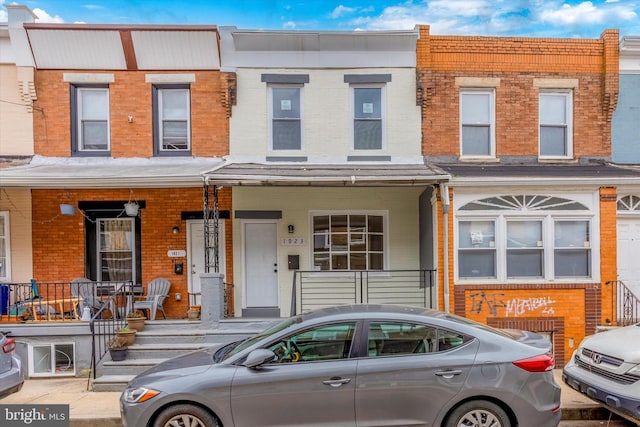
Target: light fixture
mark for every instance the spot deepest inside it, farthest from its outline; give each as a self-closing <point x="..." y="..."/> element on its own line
<point x="66" y="209"/>
<point x="291" y="228"/>
<point x="176" y="230"/>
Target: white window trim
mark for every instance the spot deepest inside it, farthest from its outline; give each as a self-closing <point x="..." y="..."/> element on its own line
<point x="568" y="95"/>
<point x="160" y="94"/>
<point x="548" y="220"/>
<point x="79" y="119"/>
<point x="270" y="117"/>
<point x="385" y="238"/>
<point x="7" y="242"/>
<point x="383" y="115"/>
<point x="492" y="121"/>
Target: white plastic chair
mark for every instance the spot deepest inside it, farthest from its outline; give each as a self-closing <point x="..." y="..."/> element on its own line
<point x="157" y="292"/>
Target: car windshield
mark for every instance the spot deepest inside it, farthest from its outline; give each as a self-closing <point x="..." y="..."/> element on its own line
<point x="236" y="347"/>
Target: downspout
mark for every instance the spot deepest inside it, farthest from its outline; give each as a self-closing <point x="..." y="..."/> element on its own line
<point x="444" y="198"/>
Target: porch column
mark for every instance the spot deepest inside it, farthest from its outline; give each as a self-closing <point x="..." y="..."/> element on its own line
<point x="212" y="299"/>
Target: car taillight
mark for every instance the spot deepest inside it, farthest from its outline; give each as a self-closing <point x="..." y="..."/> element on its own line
<point x="541" y="363"/>
<point x="9" y="345"/>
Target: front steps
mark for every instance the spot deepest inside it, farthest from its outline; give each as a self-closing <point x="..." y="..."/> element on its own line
<point x="163" y="339"/>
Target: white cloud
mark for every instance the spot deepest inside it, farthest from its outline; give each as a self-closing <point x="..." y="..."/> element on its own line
<point x="43" y="16"/>
<point x="587" y="13"/>
<point x="341" y="11"/>
<point x="289" y="25"/>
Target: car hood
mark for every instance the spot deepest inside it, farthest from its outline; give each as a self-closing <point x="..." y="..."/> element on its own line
<point x="530" y="338"/>
<point x="623" y="343"/>
<point x="188" y="364"/>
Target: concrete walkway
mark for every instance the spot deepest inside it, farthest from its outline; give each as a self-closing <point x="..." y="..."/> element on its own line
<point x="95" y="409"/>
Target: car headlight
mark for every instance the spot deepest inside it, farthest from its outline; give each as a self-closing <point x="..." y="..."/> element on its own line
<point x="139" y="394"/>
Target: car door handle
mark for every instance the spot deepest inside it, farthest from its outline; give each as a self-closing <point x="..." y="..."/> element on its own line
<point x="449" y="374"/>
<point x="336" y="381"/>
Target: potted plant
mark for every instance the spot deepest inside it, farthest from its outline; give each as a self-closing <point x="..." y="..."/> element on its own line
<point x="129" y="335"/>
<point x="194" y="312"/>
<point x="118" y="348"/>
<point x="135" y="320"/>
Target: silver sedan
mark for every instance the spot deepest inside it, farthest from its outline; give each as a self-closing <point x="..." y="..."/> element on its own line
<point x="362" y="365"/>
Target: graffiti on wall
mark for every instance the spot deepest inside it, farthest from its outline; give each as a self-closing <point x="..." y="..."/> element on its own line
<point x="514" y="307"/>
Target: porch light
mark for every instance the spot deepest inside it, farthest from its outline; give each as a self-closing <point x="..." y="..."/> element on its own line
<point x="66" y="209"/>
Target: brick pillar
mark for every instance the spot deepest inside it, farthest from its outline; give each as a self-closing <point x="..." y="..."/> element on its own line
<point x="608" y="252"/>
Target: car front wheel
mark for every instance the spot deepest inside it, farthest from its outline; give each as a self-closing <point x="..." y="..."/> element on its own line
<point x="185" y="416"/>
<point x="478" y="413"/>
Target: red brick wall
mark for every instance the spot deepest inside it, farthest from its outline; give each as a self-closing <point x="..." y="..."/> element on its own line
<point x="59" y="241"/>
<point x="129" y="94"/>
<point x="516" y="62"/>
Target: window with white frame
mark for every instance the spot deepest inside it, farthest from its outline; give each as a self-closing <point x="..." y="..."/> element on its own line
<point x="286" y="117"/>
<point x="90" y="119"/>
<point x="172" y="119"/>
<point x="477" y="123"/>
<point x="5" y="258"/>
<point x="348" y="241"/>
<point x="525" y="237"/>
<point x="367" y="118"/>
<point x="555" y="115"/>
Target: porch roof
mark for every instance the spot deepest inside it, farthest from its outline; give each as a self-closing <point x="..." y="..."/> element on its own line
<point x="325" y="175"/>
<point x="542" y="174"/>
<point x="104" y="172"/>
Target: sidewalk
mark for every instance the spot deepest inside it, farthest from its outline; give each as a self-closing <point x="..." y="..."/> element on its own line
<point x="101" y="409"/>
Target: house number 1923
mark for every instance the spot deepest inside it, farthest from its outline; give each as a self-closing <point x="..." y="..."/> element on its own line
<point x="292" y="241"/>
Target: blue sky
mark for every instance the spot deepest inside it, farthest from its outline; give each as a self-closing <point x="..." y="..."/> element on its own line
<point x="534" y="18"/>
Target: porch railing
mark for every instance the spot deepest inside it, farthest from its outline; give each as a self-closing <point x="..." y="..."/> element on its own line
<point x="317" y="289"/>
<point x="625" y="304"/>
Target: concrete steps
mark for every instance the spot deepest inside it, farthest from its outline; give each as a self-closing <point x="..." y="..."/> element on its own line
<point x="162" y="340"/>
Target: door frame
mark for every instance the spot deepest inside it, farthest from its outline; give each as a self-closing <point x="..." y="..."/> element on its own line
<point x="243" y="260"/>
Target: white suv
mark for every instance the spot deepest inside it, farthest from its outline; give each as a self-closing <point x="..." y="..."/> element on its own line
<point x="606" y="367"/>
<point x="12" y="370"/>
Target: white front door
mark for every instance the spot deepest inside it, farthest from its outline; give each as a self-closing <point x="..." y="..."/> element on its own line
<point x="195" y="256"/>
<point x="629" y="253"/>
<point x="260" y="264"/>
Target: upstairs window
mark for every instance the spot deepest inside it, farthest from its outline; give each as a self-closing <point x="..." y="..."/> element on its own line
<point x="555" y="115"/>
<point x="367" y="118"/>
<point x="172" y="119"/>
<point x="286" y="118"/>
<point x="90" y="120"/>
<point x="477" y="123"/>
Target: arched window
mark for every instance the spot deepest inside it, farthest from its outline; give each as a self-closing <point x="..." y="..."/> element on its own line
<point x="629" y="203"/>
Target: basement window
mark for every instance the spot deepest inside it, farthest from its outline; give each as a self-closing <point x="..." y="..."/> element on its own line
<point x="52" y="359"/>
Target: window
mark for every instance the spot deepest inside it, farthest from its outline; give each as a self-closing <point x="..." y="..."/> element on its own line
<point x="112" y="241"/>
<point x="348" y="242"/>
<point x="116" y="249"/>
<point x="325" y="342"/>
<point x="397" y="338"/>
<point x="52" y="359"/>
<point x="524" y="249"/>
<point x="90" y="119"/>
<point x="367" y="118"/>
<point x="555" y="124"/>
<point x="572" y="251"/>
<point x="524" y="237"/>
<point x="477" y="249"/>
<point x="4" y="246"/>
<point x="286" y="118"/>
<point x="172" y="119"/>
<point x="477" y="123"/>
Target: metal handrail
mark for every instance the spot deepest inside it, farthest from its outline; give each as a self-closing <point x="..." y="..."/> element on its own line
<point x="625" y="305"/>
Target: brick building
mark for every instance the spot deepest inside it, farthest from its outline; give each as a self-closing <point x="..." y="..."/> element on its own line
<point x="124" y="114"/>
<point x="523" y="125"/>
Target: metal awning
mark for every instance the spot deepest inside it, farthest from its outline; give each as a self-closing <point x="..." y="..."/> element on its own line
<point x="325" y="175"/>
<point x="97" y="172"/>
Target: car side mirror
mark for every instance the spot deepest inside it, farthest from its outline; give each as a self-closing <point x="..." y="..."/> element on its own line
<point x="259" y="357"/>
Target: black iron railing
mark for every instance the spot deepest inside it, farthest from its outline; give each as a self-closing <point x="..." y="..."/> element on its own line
<point x="316" y="289"/>
<point x="625" y="304"/>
